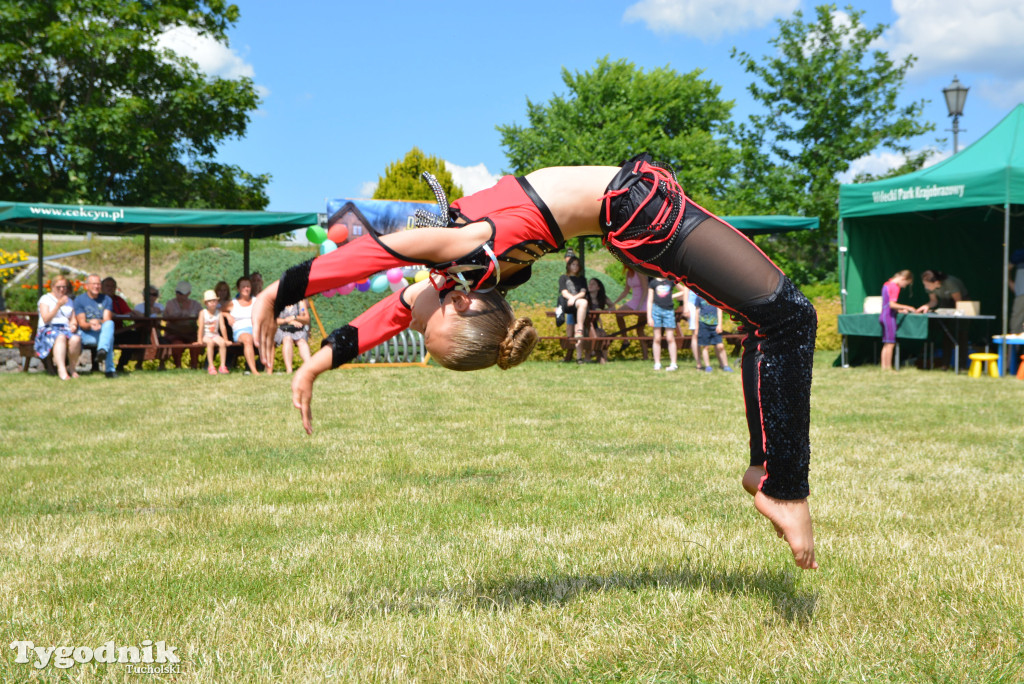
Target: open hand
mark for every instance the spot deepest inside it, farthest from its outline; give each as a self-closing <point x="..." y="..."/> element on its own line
<point x="302" y="396"/>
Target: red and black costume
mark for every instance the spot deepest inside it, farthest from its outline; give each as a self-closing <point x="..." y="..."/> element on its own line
<point x="648" y="223"/>
<point x="522" y="231"/>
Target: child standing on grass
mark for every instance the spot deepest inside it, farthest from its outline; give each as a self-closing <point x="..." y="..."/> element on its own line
<point x="891" y="307"/>
<point x="662" y="315"/>
<point x="709" y="334"/>
<point x="211" y="323"/>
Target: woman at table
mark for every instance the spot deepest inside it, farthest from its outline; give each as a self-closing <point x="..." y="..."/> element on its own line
<point x="57" y="330"/>
<point x="944" y="291"/>
<point x="891" y="307"/>
<point x="239" y="315"/>
<point x="636" y="290"/>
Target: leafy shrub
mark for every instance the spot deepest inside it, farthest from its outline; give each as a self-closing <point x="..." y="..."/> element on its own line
<point x="205" y="267"/>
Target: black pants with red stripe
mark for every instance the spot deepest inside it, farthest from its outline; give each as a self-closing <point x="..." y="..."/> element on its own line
<point x="652" y="227"/>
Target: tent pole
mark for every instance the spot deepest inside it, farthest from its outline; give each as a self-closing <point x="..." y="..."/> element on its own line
<point x="245" y="254"/>
<point x="1004" y="351"/>
<point x="145" y="276"/>
<point x="39" y="259"/>
<point x="842" y="290"/>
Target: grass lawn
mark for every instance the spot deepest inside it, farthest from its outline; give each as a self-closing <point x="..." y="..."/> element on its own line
<point x="548" y="523"/>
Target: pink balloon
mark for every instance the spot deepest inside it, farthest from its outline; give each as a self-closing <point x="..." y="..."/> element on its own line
<point x="345" y="289"/>
<point x="329" y="293"/>
<point x="394" y="275"/>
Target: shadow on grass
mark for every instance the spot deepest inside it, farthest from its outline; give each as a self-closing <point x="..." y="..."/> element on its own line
<point x="779" y="587"/>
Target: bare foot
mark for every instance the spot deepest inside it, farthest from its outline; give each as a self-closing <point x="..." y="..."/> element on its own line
<point x="792" y="522"/>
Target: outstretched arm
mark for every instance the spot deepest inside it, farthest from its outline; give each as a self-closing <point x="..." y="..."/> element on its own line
<point x="379" y="323"/>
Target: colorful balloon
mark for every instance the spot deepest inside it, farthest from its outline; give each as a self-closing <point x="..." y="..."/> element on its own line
<point x="363" y="286"/>
<point x="316" y="234"/>
<point x="394" y="275"/>
<point x="329" y="293"/>
<point x="421" y="275"/>
<point x="326" y="247"/>
<point x="346" y="289"/>
<point x="398" y="285"/>
<point x="337" y="233"/>
<point x="379" y="283"/>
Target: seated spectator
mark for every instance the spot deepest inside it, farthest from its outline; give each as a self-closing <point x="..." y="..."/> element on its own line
<point x="211" y="323"/>
<point x="57" y="330"/>
<point x="180" y="315"/>
<point x="239" y="315"/>
<point x="256" y="278"/>
<point x="95" y="322"/>
<point x="223" y="291"/>
<point x="573" y="289"/>
<point x="293" y="331"/>
<point x="156" y="309"/>
<point x="599" y="300"/>
<point x="636" y="290"/>
<point x="122" y="334"/>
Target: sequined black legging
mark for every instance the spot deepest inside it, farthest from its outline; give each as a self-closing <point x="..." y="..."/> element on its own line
<point x="727" y="269"/>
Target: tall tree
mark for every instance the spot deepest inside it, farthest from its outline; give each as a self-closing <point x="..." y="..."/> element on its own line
<point x="830" y="99"/>
<point x="616" y="111"/>
<point x="403" y="179"/>
<point x="93" y="111"/>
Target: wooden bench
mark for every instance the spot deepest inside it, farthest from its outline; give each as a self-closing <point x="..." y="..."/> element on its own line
<point x="152" y="352"/>
<point x="733" y="340"/>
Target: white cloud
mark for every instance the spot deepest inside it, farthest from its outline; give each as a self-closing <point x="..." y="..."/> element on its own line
<point x="471" y="178"/>
<point x="880" y="162"/>
<point x="950" y="36"/>
<point x="213" y="58"/>
<point x="707" y="20"/>
<point x="367" y="189"/>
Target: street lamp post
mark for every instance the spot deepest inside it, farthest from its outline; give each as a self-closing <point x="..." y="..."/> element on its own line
<point x="956" y="96"/>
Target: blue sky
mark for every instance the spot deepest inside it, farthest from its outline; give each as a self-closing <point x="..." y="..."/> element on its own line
<point x="349" y="87"/>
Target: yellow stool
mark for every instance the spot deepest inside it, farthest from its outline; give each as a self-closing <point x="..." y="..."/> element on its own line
<point x="988" y="359"/>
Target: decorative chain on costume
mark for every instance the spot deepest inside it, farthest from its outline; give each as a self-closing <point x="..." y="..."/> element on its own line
<point x="642" y="211"/>
<point x="426" y="219"/>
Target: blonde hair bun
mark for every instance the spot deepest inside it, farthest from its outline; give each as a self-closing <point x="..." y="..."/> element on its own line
<point x="522" y="337"/>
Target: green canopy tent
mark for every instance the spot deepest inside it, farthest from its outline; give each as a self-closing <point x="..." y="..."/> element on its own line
<point x="758" y="225"/>
<point x="27" y="217"/>
<point x="960" y="216"/>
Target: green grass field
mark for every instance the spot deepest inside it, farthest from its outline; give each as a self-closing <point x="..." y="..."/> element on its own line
<point x="549" y="523"/>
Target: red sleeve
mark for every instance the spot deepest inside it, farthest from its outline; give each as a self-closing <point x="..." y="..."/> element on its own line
<point x="352" y="262"/>
<point x="382" y="321"/>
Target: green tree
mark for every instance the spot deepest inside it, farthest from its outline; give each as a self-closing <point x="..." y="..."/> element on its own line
<point x="93" y="111"/>
<point x="830" y="99"/>
<point x="403" y="180"/>
<point x="616" y="111"/>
